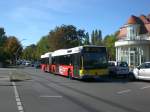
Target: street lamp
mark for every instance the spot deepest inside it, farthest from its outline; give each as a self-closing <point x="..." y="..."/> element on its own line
<point x="16" y="54"/>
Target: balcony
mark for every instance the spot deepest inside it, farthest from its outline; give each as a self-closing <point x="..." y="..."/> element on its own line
<point x="137" y="40"/>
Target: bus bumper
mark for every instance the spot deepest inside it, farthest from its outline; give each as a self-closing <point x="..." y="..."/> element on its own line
<point x="95" y="77"/>
<point x="94" y="74"/>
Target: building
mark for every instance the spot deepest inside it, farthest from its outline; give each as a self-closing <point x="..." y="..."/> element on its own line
<point x="133" y="41"/>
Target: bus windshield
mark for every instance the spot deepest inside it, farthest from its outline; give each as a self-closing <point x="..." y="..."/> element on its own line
<point x="94" y="60"/>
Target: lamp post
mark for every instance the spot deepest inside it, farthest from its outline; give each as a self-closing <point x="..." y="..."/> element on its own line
<point x="16" y="54"/>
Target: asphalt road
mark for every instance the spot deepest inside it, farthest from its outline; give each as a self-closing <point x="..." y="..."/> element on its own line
<point x="45" y="92"/>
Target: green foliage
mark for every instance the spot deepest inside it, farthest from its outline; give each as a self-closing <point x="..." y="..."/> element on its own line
<point x="42" y="46"/>
<point x="12" y="48"/>
<point x="29" y="53"/>
<point x="65" y="36"/>
<point x="2" y="42"/>
<point x="109" y="42"/>
<point x="62" y="37"/>
<point x="2" y="37"/>
<point x="96" y="37"/>
<point x="86" y="41"/>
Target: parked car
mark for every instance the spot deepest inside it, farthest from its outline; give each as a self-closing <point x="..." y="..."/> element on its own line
<point x="28" y="63"/>
<point x="117" y="68"/>
<point x="142" y="71"/>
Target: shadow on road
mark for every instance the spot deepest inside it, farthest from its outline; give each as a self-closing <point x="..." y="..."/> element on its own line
<point x="109" y="80"/>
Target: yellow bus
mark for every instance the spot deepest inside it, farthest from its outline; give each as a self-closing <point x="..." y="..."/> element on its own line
<point x="80" y="62"/>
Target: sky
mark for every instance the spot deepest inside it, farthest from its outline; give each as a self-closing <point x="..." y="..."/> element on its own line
<point x="29" y="20"/>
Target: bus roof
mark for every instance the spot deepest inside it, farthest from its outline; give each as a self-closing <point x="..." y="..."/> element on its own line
<point x="46" y="55"/>
<point x="67" y="51"/>
<point x="71" y="50"/>
<point x="42" y="56"/>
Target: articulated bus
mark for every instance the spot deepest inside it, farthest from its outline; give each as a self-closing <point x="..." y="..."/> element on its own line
<point x="80" y="62"/>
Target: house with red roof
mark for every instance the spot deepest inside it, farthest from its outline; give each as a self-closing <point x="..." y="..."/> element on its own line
<point x="133" y="41"/>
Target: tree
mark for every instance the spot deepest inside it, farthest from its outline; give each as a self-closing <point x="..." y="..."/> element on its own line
<point x="109" y="42"/>
<point x="62" y="37"/>
<point x="65" y="36"/>
<point x="96" y="37"/>
<point x="29" y="53"/>
<point x="86" y="41"/>
<point x="2" y="42"/>
<point x="92" y="38"/>
<point x="100" y="35"/>
<point x="10" y="48"/>
<point x="13" y="48"/>
<point x="81" y="37"/>
<point x="42" y="46"/>
<point x="2" y="37"/>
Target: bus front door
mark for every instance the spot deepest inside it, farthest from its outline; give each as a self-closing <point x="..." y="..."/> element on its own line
<point x="76" y="71"/>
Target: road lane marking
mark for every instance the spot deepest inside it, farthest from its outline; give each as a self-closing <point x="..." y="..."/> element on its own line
<point x="4" y="78"/>
<point x="145" y="87"/>
<point x="124" y="91"/>
<point x="6" y="69"/>
<point x="20" y="108"/>
<point x="18" y="101"/>
<point x="51" y="96"/>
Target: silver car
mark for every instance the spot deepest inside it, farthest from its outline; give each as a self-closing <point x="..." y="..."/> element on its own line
<point x="118" y="68"/>
<point x="142" y="71"/>
<point x="27" y="63"/>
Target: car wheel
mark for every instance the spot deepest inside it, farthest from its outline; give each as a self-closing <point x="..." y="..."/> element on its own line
<point x="132" y="77"/>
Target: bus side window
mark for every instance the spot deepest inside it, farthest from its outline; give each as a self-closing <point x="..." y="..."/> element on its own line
<point x="71" y="60"/>
<point x="57" y="60"/>
<point x="52" y="60"/>
<point x="68" y="60"/>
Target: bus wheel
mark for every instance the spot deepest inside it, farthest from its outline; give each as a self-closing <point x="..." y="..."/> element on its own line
<point x="69" y="75"/>
<point x="53" y="71"/>
<point x="44" y="69"/>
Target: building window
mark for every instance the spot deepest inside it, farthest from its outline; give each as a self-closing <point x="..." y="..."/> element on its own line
<point x="132" y="32"/>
